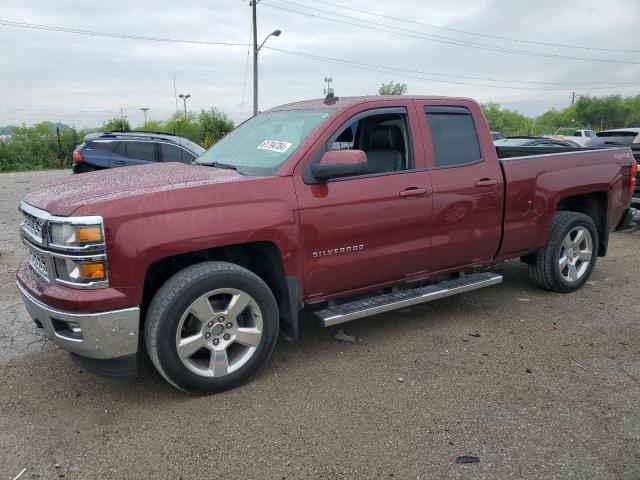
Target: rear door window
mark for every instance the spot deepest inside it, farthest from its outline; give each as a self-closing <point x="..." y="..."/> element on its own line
<point x="171" y="153"/>
<point x="140" y="151"/>
<point x="98" y="145"/>
<point x="453" y="135"/>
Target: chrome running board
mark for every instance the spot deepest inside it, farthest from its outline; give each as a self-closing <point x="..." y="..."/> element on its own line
<point x="346" y="312"/>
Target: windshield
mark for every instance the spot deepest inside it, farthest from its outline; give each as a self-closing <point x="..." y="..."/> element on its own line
<point x="263" y="143"/>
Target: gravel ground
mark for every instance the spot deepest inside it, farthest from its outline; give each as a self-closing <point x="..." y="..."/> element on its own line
<point x="536" y="385"/>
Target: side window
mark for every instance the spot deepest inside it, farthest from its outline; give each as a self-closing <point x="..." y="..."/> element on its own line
<point x="171" y="153"/>
<point x="578" y="133"/>
<point x="97" y="145"/>
<point x="346" y="138"/>
<point x="383" y="137"/>
<point x="454" y="137"/>
<point x="120" y="149"/>
<point x="140" y="150"/>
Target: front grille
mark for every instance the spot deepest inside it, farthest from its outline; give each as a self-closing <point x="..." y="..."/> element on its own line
<point x="38" y="264"/>
<point x="34" y="225"/>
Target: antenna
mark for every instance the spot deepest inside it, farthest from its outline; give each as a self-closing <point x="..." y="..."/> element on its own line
<point x="328" y="90"/>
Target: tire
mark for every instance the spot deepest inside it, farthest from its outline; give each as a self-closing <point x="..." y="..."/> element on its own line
<point x="82" y="168"/>
<point x="568" y="260"/>
<point x="210" y="327"/>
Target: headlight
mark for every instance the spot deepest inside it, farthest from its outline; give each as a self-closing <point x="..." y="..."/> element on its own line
<point x="71" y="251"/>
<point x="69" y="235"/>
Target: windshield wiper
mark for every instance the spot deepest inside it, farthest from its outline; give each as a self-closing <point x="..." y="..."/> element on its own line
<point x="226" y="166"/>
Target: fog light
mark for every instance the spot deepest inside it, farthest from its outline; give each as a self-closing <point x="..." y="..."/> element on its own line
<point x="69" y="330"/>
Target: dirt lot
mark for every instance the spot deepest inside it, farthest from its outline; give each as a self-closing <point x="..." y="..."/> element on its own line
<point x="547" y="386"/>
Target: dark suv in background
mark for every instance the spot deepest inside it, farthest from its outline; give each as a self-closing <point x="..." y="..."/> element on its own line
<point x="122" y="149"/>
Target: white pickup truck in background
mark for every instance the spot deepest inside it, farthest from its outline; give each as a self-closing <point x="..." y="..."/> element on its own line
<point x="581" y="137"/>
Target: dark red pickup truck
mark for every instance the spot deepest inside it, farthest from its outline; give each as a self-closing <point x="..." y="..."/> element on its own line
<point x="339" y="208"/>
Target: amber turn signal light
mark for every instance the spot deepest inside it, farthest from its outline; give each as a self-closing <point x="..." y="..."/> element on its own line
<point x="89" y="234"/>
<point x="91" y="271"/>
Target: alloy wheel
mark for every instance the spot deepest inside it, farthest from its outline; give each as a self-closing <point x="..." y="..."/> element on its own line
<point x="575" y="254"/>
<point x="219" y="332"/>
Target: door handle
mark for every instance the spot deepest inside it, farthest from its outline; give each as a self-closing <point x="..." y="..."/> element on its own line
<point x="486" y="182"/>
<point x="413" y="192"/>
<point x="120" y="162"/>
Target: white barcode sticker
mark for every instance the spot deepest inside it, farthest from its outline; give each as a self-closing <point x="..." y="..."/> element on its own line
<point x="274" y="146"/>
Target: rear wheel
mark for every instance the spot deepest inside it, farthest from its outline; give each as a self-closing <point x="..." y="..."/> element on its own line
<point x="210" y="327"/>
<point x="569" y="257"/>
<point x="82" y="168"/>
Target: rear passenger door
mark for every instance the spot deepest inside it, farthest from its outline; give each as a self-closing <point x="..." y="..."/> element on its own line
<point x="131" y="152"/>
<point x="467" y="185"/>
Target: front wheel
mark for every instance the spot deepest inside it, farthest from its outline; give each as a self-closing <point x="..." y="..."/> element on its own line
<point x="210" y="327"/>
<point x="569" y="257"/>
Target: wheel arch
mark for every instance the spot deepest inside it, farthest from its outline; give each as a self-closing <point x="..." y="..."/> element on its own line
<point x="262" y="258"/>
<point x="593" y="204"/>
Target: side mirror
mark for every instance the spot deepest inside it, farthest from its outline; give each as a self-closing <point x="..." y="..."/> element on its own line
<point x="340" y="163"/>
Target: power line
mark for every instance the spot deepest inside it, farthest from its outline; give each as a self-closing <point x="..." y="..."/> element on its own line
<point x="466" y="32"/>
<point x="312" y="56"/>
<point x="439" y="39"/>
<point x="411" y="73"/>
<point x="36" y="26"/>
<point x="400" y="69"/>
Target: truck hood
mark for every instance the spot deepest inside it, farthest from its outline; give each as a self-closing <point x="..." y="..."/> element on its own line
<point x="63" y="197"/>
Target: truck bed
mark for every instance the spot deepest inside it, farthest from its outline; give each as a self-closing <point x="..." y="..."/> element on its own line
<point x="534" y="182"/>
<point x="518" y="152"/>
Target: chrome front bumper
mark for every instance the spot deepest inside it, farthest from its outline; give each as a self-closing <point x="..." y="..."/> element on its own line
<point x="103" y="335"/>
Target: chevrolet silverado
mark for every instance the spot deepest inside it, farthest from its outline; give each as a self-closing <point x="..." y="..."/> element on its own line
<point x="337" y="208"/>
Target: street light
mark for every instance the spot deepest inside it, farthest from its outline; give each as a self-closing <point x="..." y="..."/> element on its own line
<point x="184" y="100"/>
<point x="256" y="49"/>
<point x="145" y="110"/>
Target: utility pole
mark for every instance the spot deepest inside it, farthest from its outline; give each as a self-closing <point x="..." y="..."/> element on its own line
<point x="184" y="100"/>
<point x="254" y="4"/>
<point x="145" y="110"/>
<point x="256" y="49"/>
<point x="122" y="119"/>
<point x="573" y="99"/>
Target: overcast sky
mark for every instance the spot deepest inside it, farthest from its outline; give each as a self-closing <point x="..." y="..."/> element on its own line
<point x="84" y="80"/>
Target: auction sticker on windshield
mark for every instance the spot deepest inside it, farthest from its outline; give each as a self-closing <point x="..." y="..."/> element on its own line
<point x="275" y="146"/>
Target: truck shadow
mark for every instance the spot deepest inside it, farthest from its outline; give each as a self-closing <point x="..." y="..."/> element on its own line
<point x="316" y="345"/>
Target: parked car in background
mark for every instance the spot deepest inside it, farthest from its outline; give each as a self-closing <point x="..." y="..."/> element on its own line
<point x="122" y="149"/>
<point x="534" y="142"/>
<point x="498" y="135"/>
<point x="581" y="137"/>
<point x="616" y="136"/>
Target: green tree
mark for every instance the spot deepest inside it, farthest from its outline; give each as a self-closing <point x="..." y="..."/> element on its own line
<point x="506" y="121"/>
<point x="393" y="88"/>
<point x="153" y="126"/>
<point x="116" y="125"/>
<point x="214" y="125"/>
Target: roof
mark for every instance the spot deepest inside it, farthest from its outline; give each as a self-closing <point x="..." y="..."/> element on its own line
<point x="149" y="135"/>
<point x="632" y="129"/>
<point x="341" y="103"/>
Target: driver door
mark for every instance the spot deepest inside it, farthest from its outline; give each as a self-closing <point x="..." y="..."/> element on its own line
<point x="371" y="229"/>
